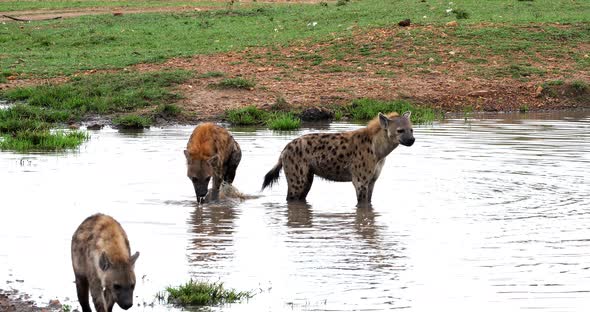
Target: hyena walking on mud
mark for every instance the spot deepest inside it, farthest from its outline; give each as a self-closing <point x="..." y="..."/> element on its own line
<point x="211" y="152"/>
<point x="356" y="156"/>
<point x="103" y="263"/>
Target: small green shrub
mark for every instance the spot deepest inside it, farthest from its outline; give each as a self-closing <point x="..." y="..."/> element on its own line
<point x="204" y="293"/>
<point x="342" y="2"/>
<point x="283" y="121"/>
<point x="523" y="108"/>
<point x="366" y="109"/>
<point x="236" y="83"/>
<point x="580" y="86"/>
<point x="249" y="115"/>
<point x="132" y="122"/>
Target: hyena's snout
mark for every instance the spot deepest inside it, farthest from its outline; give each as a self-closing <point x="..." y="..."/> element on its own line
<point x="407" y="141"/>
<point x="201" y="188"/>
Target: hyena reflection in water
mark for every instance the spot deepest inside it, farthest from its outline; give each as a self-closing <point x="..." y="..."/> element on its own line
<point x="356" y="156"/>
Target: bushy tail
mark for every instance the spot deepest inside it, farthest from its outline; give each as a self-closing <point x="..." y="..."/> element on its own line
<point x="273" y="175"/>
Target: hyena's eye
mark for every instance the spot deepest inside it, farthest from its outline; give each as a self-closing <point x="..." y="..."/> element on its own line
<point x="117" y="287"/>
<point x="401" y="130"/>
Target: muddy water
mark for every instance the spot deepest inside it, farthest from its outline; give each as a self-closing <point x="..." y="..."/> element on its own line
<point x="491" y="214"/>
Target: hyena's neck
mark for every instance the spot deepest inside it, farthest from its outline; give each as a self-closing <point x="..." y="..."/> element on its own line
<point x="382" y="146"/>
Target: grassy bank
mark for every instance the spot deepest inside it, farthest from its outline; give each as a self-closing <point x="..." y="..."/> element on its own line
<point x="66" y="46"/>
<point x="358" y="110"/>
<point x="20" y="5"/>
<point x="204" y="293"/>
<point x="25" y="126"/>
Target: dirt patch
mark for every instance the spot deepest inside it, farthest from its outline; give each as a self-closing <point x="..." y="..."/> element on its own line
<point x="296" y="75"/>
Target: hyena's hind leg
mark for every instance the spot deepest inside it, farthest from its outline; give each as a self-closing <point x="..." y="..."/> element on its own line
<point x="82" y="290"/>
<point x="362" y="191"/>
<point x="299" y="180"/>
<point x="232" y="165"/>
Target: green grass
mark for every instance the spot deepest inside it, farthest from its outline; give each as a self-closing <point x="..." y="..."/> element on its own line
<point x="30" y="140"/>
<point x="211" y="74"/>
<point x="366" y="109"/>
<point x="70" y="45"/>
<point x="4" y="76"/>
<point x="204" y="293"/>
<point x="236" y="83"/>
<point x="580" y="86"/>
<point x="132" y="121"/>
<point x="283" y="121"/>
<point x="168" y="110"/>
<point x="13" y="5"/>
<point x="102" y="93"/>
<point x="520" y="71"/>
<point x="249" y="115"/>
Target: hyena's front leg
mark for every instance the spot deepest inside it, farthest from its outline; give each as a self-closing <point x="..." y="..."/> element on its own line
<point x="215" y="188"/>
<point x="98" y="297"/>
<point x="373" y="179"/>
<point x="82" y="290"/>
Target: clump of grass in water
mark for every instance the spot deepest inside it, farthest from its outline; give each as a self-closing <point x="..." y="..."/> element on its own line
<point x="283" y="121"/>
<point x="366" y="109"/>
<point x="235" y="83"/>
<point x="204" y="293"/>
<point x="45" y="140"/>
<point x="249" y="115"/>
<point x="132" y="122"/>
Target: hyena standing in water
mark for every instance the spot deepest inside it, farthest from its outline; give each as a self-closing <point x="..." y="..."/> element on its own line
<point x="356" y="156"/>
<point x="103" y="263"/>
<point x="211" y="152"/>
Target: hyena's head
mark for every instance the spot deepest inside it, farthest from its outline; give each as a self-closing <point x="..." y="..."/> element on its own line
<point x="399" y="129"/>
<point x="119" y="279"/>
<point x="200" y="171"/>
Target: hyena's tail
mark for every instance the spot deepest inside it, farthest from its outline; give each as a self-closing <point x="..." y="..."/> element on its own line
<point x="272" y="176"/>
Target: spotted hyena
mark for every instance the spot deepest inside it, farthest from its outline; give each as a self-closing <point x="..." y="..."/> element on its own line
<point x="103" y="264"/>
<point x="356" y="156"/>
<point x="211" y="152"/>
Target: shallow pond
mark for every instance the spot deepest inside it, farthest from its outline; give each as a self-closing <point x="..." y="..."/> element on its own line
<point x="486" y="214"/>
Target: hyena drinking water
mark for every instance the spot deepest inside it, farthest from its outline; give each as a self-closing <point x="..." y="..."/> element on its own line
<point x="211" y="152"/>
<point x="103" y="263"/>
<point x="356" y="156"/>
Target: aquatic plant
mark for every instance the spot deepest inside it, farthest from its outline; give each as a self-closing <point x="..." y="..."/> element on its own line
<point x="283" y="121"/>
<point x="44" y="140"/>
<point x="204" y="293"/>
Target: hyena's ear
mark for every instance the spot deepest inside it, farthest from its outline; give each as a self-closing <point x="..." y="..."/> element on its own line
<point x="213" y="160"/>
<point x="407" y="114"/>
<point x="134" y="258"/>
<point x="104" y="262"/>
<point x="383" y="121"/>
